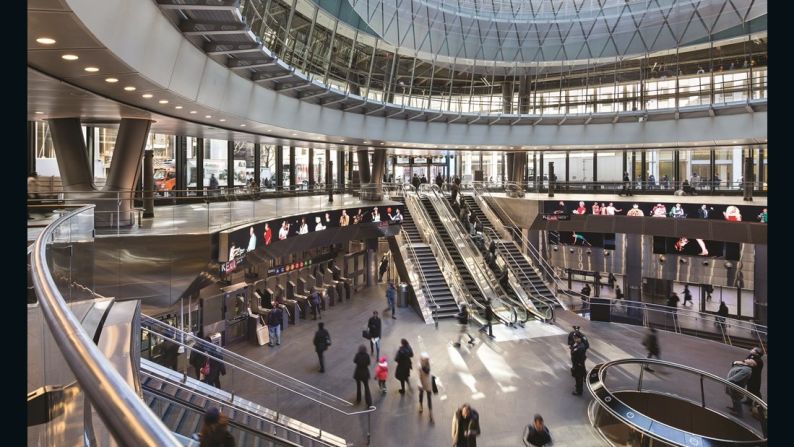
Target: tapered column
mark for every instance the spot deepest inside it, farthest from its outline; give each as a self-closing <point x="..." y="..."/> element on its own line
<point x="371" y="183"/>
<point x="71" y="155"/>
<point x="148" y="183"/>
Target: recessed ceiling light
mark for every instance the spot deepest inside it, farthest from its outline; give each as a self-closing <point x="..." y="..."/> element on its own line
<point x="366" y="142"/>
<point x="193" y="112"/>
<point x="111" y="80"/>
<point x="207" y="116"/>
<point x="147" y="95"/>
<point x="342" y="140"/>
<point x="382" y="143"/>
<point x="163" y="101"/>
<point x="91" y="69"/>
<point x="39" y="113"/>
<point x="129" y="88"/>
<point x="294" y="135"/>
<point x="178" y="107"/>
<point x="222" y="120"/>
<point x="69" y="57"/>
<point x="242" y="125"/>
<point x="45" y="40"/>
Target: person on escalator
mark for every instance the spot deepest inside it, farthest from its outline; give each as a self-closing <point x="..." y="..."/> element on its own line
<point x="504" y="280"/>
<point x="215" y="430"/>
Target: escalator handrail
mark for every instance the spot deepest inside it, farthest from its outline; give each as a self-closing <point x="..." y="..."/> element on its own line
<point x="450" y="274"/>
<point x="596" y="385"/>
<point x="490" y="279"/>
<point x="538" y="295"/>
<point x="220" y="403"/>
<point x="177" y="336"/>
<point x="123" y="412"/>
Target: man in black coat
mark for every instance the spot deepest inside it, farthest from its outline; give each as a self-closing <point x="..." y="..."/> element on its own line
<point x="374" y="325"/>
<point x="651" y="343"/>
<point x="322" y="340"/>
<point x="577" y="332"/>
<point x="754" y="384"/>
<point x="465" y="427"/>
<point x="361" y="375"/>
<point x="197" y="359"/>
<point x="217" y="369"/>
<point x="578" y="369"/>
<point x="488" y="318"/>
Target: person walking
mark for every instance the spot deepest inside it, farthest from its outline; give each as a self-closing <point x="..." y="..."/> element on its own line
<point x="578" y="369"/>
<point x="465" y="427"/>
<point x="651" y="343"/>
<point x="463" y="324"/>
<point x="488" y="318"/>
<point x="537" y="434"/>
<point x="709" y="289"/>
<point x="274" y="321"/>
<point x="315" y="301"/>
<point x="322" y="340"/>
<point x="361" y="375"/>
<point x="626" y="185"/>
<point x="215" y="430"/>
<point x="384" y="265"/>
<point x="374" y="326"/>
<point x="391" y="293"/>
<point x="382" y="373"/>
<point x="687" y="294"/>
<point x="425" y="383"/>
<point x="403" y="359"/>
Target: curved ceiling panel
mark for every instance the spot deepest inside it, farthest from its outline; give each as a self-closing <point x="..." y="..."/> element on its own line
<point x="550" y="30"/>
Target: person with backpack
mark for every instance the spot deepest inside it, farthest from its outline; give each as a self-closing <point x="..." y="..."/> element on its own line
<point x="322" y="340"/>
<point x="537" y="434"/>
<point x="274" y="321"/>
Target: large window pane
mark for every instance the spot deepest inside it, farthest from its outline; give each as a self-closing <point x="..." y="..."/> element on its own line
<point x="302" y="167"/>
<point x="610" y="165"/>
<point x="215" y="156"/>
<point x="267" y="165"/>
<point x="581" y="166"/>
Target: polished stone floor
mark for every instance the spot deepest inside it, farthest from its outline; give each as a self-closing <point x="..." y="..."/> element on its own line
<point x="507" y="380"/>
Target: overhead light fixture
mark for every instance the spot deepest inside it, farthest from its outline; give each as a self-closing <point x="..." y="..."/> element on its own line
<point x="147" y="95"/>
<point x="222" y="120"/>
<point x="366" y="142"/>
<point x="178" y="107"/>
<point x="91" y="69"/>
<point x="382" y="143"/>
<point x="242" y="125"/>
<point x="163" y="101"/>
<point x="130" y="88"/>
<point x="342" y="140"/>
<point x="39" y="113"/>
<point x="192" y="112"/>
<point x="69" y="57"/>
<point x="208" y="116"/>
<point x="111" y="80"/>
<point x="45" y="40"/>
<point x="294" y="135"/>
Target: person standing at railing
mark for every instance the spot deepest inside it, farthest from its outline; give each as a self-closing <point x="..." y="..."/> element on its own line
<point x="651" y="343"/>
<point x="754" y="384"/>
<point x="217" y="368"/>
<point x="214" y="185"/>
<point x="739" y="375"/>
<point x="651" y="182"/>
<point x="722" y="313"/>
<point x="197" y="359"/>
<point x="626" y="185"/>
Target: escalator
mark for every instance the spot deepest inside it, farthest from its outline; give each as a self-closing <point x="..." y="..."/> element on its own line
<point x="466" y="260"/>
<point x="181" y="403"/>
<point x="428" y="269"/>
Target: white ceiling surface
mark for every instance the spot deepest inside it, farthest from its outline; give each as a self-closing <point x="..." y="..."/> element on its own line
<point x="549" y="30"/>
<point x="131" y="40"/>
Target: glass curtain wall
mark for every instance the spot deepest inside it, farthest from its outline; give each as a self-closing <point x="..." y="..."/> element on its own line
<point x="243" y="163"/>
<point x="192" y="171"/>
<point x="609" y="166"/>
<point x="301" y="167"/>
<point x="267" y="165"/>
<point x="215" y="156"/>
<point x="581" y="167"/>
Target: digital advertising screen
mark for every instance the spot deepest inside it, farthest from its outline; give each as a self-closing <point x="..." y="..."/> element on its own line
<point x="241" y="241"/>
<point x="668" y="210"/>
<point x="696" y="247"/>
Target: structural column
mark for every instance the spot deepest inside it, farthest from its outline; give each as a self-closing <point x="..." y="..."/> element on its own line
<point x="312" y="180"/>
<point x="523" y="94"/>
<point x="340" y="168"/>
<point x="292" y="173"/>
<point x="71" y="155"/>
<point x="507" y="97"/>
<point x="257" y="164"/>
<point x="148" y="183"/>
<point x="279" y="168"/>
<point x="230" y="166"/>
<point x="180" y="151"/>
<point x="633" y="278"/>
<point x="200" y="166"/>
<point x="515" y="165"/>
<point x="31" y="146"/>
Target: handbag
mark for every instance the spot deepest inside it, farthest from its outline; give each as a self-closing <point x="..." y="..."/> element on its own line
<point x="365" y="333"/>
<point x="205" y="369"/>
<point x="435" y="387"/>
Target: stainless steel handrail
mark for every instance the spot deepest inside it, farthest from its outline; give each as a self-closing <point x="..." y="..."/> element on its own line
<point x="438" y="197"/>
<point x="606" y="398"/>
<point x="127" y="417"/>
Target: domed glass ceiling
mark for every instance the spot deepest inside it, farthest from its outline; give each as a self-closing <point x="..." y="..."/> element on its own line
<point x="549" y="30"/>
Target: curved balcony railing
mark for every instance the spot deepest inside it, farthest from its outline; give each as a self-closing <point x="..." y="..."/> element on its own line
<point x="643" y="402"/>
<point x="124" y="414"/>
<point x="328" y="52"/>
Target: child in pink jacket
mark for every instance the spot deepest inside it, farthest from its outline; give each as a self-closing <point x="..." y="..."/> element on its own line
<point x="381" y="373"/>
